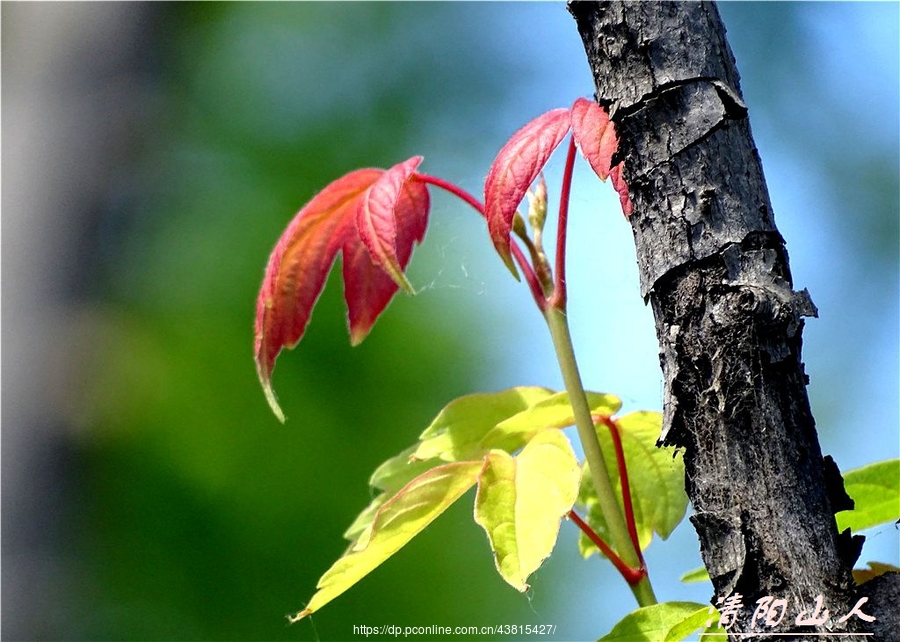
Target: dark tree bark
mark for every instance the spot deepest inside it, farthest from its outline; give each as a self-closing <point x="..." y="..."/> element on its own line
<point x="715" y="271"/>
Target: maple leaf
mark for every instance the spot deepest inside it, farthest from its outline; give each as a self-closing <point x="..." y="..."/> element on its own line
<point x="516" y="166"/>
<point x="374" y="217"/>
<point x="527" y="151"/>
<point x="595" y="135"/>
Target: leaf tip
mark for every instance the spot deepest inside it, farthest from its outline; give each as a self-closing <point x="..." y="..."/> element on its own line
<point x="358" y="335"/>
<point x="519" y="584"/>
<point x="507" y="260"/>
<point x="272" y="399"/>
<point x="293" y="619"/>
<point x="402" y="282"/>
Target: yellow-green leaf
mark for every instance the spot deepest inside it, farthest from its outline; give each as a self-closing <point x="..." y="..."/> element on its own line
<point x="387" y="480"/>
<point x="521" y="500"/>
<point x="552" y="412"/>
<point x="395" y="523"/>
<point x="396" y="472"/>
<point x="456" y="433"/>
<point x="656" y="480"/>
<point x="365" y="518"/>
<point x="697" y="575"/>
<point x="875" y="490"/>
<point x="666" y="622"/>
<point x="510" y="418"/>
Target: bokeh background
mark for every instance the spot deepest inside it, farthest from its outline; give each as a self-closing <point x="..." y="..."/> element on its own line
<point x="152" y="154"/>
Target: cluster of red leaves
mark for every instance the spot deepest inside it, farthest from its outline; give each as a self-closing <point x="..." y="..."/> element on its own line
<point x="526" y="153"/>
<point x="374" y="217"/>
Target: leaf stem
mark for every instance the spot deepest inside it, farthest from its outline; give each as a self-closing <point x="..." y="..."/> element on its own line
<point x="587" y="433"/>
<point x="631" y="575"/>
<point x="531" y="278"/>
<point x="457" y="191"/>
<point x="610" y="423"/>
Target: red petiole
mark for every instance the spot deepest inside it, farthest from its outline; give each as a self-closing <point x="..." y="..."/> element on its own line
<point x="623" y="477"/>
<point x="631" y="575"/>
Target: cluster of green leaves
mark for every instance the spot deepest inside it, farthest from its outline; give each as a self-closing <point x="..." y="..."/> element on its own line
<point x="510" y="445"/>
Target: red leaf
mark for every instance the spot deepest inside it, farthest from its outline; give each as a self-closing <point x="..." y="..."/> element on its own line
<point x="595" y="135"/>
<point x="368" y="284"/>
<point x="303" y="256"/>
<point x="513" y="171"/>
<point x="298" y="267"/>
<point x="619" y="185"/>
<point x="377" y="222"/>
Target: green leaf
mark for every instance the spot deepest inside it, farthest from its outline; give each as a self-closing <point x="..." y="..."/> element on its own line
<point x="395" y="523"/>
<point x="706" y="617"/>
<point x="470" y="427"/>
<point x="456" y="433"/>
<point x="365" y="518"/>
<point x="399" y="470"/>
<point x="552" y="412"/>
<point x="521" y="501"/>
<point x="875" y="489"/>
<point x="697" y="575"/>
<point x="666" y="622"/>
<point x="655" y="475"/>
<point x="388" y="479"/>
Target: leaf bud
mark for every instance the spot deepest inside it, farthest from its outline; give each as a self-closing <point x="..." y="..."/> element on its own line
<point x="537" y="204"/>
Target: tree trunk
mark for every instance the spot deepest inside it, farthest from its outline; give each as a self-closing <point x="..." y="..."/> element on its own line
<point x="715" y="271"/>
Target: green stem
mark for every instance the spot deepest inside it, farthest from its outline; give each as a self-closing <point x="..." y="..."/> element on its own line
<point x="612" y="512"/>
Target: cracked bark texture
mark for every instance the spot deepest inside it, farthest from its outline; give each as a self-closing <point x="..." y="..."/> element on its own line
<point x="715" y="270"/>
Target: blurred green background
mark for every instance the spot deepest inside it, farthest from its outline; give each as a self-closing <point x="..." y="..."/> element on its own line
<point x="152" y="154"/>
